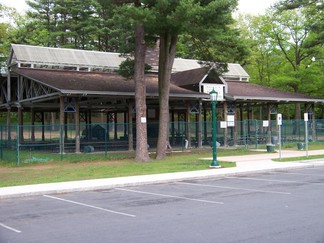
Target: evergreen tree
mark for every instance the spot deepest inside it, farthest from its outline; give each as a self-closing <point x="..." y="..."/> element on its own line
<point x="42" y="22"/>
<point x="207" y="22"/>
<point x="67" y="23"/>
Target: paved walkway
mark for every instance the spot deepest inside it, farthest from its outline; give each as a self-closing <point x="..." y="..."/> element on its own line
<point x="245" y="165"/>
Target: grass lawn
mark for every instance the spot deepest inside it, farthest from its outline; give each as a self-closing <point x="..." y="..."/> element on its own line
<point x="51" y="168"/>
<point x="311" y="146"/>
<point x="310" y="157"/>
<point x="115" y="165"/>
<point x="293" y="146"/>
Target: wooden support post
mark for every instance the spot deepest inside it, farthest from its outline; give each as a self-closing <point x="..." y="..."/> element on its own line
<point x="199" y="126"/>
<point x="269" y="124"/>
<point x="9" y="108"/>
<point x="43" y="125"/>
<point x="20" y="110"/>
<point x="125" y="124"/>
<point x="130" y="127"/>
<point x="108" y="125"/>
<point x="178" y="116"/>
<point x="62" y="119"/>
<point x="172" y="128"/>
<point x="188" y="125"/>
<point x="248" y="111"/>
<point x="115" y="125"/>
<point x="52" y="115"/>
<point x="9" y="87"/>
<point x="65" y="126"/>
<point x="32" y="114"/>
<point x="225" y="129"/>
<point x="77" y="126"/>
<point x="9" y="126"/>
<point x="241" y="121"/>
<point x="260" y="112"/>
<point x="89" y="123"/>
<point x="235" y="126"/>
<point x="205" y="127"/>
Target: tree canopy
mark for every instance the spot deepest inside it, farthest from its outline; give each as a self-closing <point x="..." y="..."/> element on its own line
<point x="277" y="48"/>
<point x="283" y="42"/>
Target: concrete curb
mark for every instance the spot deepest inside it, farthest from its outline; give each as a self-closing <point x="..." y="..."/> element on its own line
<point x="109" y="183"/>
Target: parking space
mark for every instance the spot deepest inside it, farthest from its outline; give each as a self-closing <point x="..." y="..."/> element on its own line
<point x="268" y="207"/>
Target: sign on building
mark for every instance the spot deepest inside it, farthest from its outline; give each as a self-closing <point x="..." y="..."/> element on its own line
<point x="219" y="88"/>
<point x="230" y="121"/>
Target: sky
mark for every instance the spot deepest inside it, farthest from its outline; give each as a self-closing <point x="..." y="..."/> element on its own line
<point x="254" y="7"/>
<point x="245" y="6"/>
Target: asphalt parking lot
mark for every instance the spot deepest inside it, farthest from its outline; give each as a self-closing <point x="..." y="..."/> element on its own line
<point x="268" y="207"/>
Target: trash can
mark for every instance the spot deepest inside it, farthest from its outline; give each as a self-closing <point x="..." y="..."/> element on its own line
<point x="270" y="148"/>
<point x="88" y="149"/>
<point x="274" y="139"/>
<point x="301" y="146"/>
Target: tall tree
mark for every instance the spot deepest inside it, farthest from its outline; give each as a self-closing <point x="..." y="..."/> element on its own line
<point x="262" y="61"/>
<point x="202" y="20"/>
<point x="107" y="27"/>
<point x="42" y="19"/>
<point x="313" y="10"/>
<point x="134" y="13"/>
<point x="140" y="94"/>
<point x="292" y="33"/>
<point x="66" y="23"/>
<point x="206" y="22"/>
<point x="76" y="23"/>
<point x="314" y="14"/>
<point x="283" y="42"/>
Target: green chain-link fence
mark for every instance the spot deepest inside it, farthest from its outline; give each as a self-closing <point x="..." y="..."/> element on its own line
<point x="27" y="143"/>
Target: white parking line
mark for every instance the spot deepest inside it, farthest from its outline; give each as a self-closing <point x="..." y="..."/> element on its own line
<point x="164" y="195"/>
<point x="10" y="228"/>
<point x="258" y="179"/>
<point x="233" y="188"/>
<point x="90" y="206"/>
<point x="295" y="173"/>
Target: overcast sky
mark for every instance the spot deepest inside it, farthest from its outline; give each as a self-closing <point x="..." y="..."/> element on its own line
<point x="254" y="6"/>
<point x="245" y="6"/>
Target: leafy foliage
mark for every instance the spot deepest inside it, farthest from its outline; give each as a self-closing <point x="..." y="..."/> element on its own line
<point x="281" y="51"/>
<point x="10" y="18"/>
<point x="126" y="68"/>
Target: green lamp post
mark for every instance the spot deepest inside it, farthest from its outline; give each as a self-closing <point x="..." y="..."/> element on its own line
<point x="213" y="97"/>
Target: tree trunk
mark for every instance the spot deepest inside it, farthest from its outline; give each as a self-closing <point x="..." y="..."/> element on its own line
<point x="166" y="58"/>
<point x="296" y="127"/>
<point x="140" y="95"/>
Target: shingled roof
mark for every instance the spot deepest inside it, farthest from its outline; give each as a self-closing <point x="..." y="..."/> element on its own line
<point x="239" y="90"/>
<point x="184" y="84"/>
<point x="189" y="77"/>
<point x="253" y="92"/>
<point x="192" y="77"/>
<point x="99" y="83"/>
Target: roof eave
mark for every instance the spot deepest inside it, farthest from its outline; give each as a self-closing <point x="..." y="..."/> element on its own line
<point x="272" y="99"/>
<point x="132" y="94"/>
